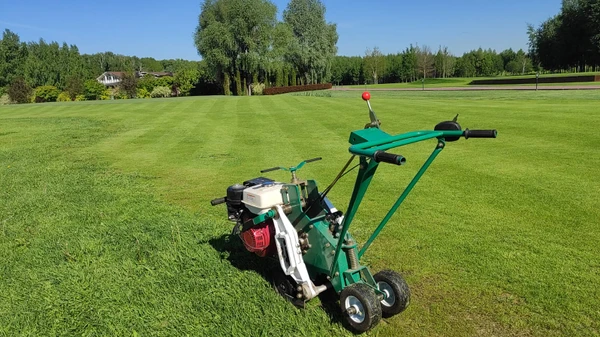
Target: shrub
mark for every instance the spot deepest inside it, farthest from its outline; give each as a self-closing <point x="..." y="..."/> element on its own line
<point x="165" y="81"/>
<point x="45" y="93"/>
<point x="94" y="90"/>
<point x="4" y="99"/>
<point x="74" y="87"/>
<point x="147" y="82"/>
<point x="128" y="86"/>
<point x="161" y="92"/>
<point x="258" y="88"/>
<point x="297" y="88"/>
<point x="107" y="94"/>
<point x="79" y="98"/>
<point x="143" y="93"/>
<point x="19" y="91"/>
<point x="64" y="97"/>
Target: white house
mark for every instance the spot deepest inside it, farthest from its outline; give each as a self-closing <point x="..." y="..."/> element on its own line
<point x="113" y="78"/>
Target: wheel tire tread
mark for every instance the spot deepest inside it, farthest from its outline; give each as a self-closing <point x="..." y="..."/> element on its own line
<point x="401" y="291"/>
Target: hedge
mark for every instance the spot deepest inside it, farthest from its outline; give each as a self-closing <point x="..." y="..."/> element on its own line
<point x="296" y="88"/>
<point x="531" y="80"/>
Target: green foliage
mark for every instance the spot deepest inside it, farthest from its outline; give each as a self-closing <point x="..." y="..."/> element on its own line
<point x="257" y="88"/>
<point x="13" y="54"/>
<point x="315" y="40"/>
<point x="234" y="36"/>
<point x="4" y="99"/>
<point x="147" y="83"/>
<point x="93" y="90"/>
<point x="128" y="85"/>
<point x="46" y="93"/>
<point x="142" y="93"/>
<point x="80" y="98"/>
<point x="185" y="80"/>
<point x="160" y="92"/>
<point x="374" y="62"/>
<point x="569" y="40"/>
<point x="75" y="86"/>
<point x="165" y="81"/>
<point x="19" y="91"/>
<point x="64" y="97"/>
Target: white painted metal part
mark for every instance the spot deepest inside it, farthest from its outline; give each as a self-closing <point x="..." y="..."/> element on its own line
<point x="290" y="255"/>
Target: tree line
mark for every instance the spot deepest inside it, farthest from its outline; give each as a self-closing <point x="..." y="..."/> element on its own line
<point x="418" y="62"/>
<point x="63" y="67"/>
<point x="569" y="40"/>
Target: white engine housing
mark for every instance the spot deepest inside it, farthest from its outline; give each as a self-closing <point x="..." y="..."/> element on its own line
<point x="260" y="199"/>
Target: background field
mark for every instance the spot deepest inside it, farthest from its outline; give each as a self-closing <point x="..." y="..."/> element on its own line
<point x="106" y="228"/>
<point x="465" y="82"/>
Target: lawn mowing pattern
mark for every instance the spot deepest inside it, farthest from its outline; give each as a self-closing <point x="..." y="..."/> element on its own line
<point x="87" y="250"/>
<point x="500" y="238"/>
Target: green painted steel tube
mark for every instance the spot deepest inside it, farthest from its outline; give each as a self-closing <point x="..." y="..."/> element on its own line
<point x="365" y="175"/>
<point x="369" y="148"/>
<point x="264" y="217"/>
<point x="403" y="196"/>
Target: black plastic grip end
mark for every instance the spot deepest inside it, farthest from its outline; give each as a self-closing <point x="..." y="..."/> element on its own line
<point x="313" y="159"/>
<point x="480" y="133"/>
<point x="270" y="169"/>
<point x="382" y="156"/>
<point x="218" y="201"/>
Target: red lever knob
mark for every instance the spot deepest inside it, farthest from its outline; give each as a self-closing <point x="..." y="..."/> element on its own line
<point x="366" y="96"/>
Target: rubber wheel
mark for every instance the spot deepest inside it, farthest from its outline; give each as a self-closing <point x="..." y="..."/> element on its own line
<point x="397" y="294"/>
<point x="360" y="306"/>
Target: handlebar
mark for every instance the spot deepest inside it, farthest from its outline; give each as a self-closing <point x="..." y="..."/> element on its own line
<point x="270" y="169"/>
<point x="382" y="156"/>
<point x="480" y="133"/>
<point x="376" y="142"/>
<point x="311" y="160"/>
<point x="218" y="201"/>
<point x="293" y="168"/>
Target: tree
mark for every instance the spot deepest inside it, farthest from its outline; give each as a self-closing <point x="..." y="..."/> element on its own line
<point x="12" y="57"/>
<point x="444" y="63"/>
<point x="425" y="61"/>
<point x="233" y="36"/>
<point x="315" y="40"/>
<point x="19" y="91"/>
<point x="128" y="85"/>
<point x="570" y="39"/>
<point x="374" y="63"/>
<point x="185" y="80"/>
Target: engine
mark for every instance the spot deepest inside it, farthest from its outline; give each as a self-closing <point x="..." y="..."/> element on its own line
<point x="245" y="202"/>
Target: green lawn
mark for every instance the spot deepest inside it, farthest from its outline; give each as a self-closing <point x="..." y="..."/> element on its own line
<point x="464" y="81"/>
<point x="106" y="227"/>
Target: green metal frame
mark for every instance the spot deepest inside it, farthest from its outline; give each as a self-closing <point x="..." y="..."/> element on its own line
<point x="365" y="143"/>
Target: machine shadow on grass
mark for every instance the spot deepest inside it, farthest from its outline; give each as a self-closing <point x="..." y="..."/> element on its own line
<point x="232" y="249"/>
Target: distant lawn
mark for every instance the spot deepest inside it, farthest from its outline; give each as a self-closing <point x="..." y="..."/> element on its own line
<point x="106" y="227"/>
<point x="464" y="81"/>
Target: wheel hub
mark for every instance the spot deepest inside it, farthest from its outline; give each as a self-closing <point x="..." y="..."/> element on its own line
<point x="389" y="296"/>
<point x="355" y="309"/>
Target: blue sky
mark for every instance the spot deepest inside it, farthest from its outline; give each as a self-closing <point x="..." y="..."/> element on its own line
<point x="164" y="29"/>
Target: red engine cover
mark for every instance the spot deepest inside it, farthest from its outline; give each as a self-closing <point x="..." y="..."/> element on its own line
<point x="259" y="239"/>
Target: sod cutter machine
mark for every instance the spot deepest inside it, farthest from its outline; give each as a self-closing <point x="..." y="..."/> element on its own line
<point x="298" y="226"/>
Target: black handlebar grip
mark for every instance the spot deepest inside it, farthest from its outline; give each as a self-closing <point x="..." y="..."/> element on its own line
<point x="311" y="160"/>
<point x="218" y="201"/>
<point x="270" y="169"/>
<point x="382" y="156"/>
<point x="480" y="133"/>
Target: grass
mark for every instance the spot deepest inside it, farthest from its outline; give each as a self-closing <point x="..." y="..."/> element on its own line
<point x="106" y="227"/>
<point x="464" y="81"/>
